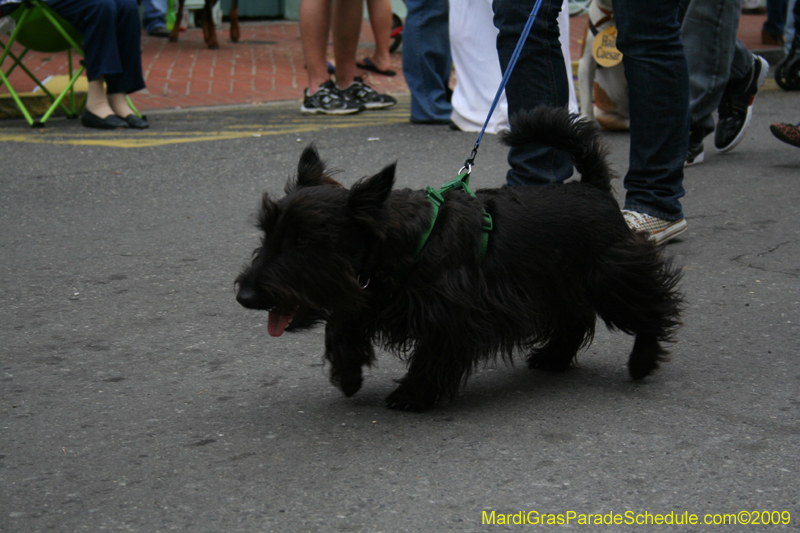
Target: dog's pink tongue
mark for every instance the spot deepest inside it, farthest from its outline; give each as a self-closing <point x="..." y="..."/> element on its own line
<point x="277" y="323"/>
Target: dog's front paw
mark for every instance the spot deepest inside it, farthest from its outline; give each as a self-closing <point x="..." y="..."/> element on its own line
<point x="406" y="398"/>
<point x="349" y="384"/>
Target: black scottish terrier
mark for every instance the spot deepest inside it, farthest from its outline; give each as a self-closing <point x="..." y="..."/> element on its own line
<point x="557" y="257"/>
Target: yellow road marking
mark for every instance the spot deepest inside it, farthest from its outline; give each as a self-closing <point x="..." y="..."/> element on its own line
<point x="285" y="122"/>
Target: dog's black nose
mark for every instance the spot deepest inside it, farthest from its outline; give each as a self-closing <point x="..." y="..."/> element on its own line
<point x="246" y="297"/>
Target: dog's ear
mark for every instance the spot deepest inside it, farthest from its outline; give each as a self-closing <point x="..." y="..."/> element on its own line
<point x="368" y="196"/>
<point x="267" y="215"/>
<point x="311" y="171"/>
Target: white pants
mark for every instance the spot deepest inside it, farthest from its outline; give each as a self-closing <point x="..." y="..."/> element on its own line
<point x="473" y="42"/>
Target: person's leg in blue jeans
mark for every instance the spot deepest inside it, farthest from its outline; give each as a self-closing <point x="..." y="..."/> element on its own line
<point x="709" y="37"/>
<point x="426" y="60"/>
<point x="658" y="80"/>
<point x="742" y="63"/>
<point x="539" y="78"/>
<point x="790" y="29"/>
<point x="775" y="24"/>
<point x="154" y="17"/>
<point x="746" y="75"/>
<point x="717" y="61"/>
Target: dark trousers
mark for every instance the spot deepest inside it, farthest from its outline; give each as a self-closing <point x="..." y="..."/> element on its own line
<point x="658" y="92"/>
<point x="776" y="17"/>
<point x="426" y="59"/>
<point x="111" y="40"/>
<point x="539" y="78"/>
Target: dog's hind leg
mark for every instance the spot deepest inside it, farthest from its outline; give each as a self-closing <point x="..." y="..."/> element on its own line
<point x="209" y="28"/>
<point x="348" y="349"/>
<point x="569" y="334"/>
<point x="646" y="354"/>
<point x="233" y="16"/>
<point x="635" y="291"/>
<point x="176" y="28"/>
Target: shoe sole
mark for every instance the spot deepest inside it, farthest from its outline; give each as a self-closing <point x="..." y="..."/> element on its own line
<point x="668" y="233"/>
<point x="317" y="111"/>
<point x="378" y="105"/>
<point x="762" y="77"/>
<point x="699" y="158"/>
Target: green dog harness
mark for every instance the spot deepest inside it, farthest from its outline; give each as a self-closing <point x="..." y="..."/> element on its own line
<point x="436" y="198"/>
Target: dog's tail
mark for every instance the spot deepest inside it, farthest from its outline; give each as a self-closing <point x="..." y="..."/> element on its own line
<point x="556" y="127"/>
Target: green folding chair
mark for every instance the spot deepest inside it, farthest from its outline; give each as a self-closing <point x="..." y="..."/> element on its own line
<point x="41" y="29"/>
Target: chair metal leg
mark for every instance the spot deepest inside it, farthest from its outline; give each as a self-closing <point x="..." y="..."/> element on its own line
<point x="71" y="107"/>
<point x="6" y="53"/>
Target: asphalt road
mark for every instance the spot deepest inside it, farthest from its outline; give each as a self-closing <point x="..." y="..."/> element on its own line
<point x="137" y="395"/>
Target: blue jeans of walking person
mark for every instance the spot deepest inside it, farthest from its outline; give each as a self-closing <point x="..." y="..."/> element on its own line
<point x="539" y="78"/>
<point x="111" y="37"/>
<point x="790" y="30"/>
<point x="714" y="55"/>
<point x="427" y="62"/>
<point x="155" y="15"/>
<point x="776" y="17"/>
<point x="649" y="37"/>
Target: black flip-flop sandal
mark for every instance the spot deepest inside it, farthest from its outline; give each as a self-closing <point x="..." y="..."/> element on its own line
<point x="370" y="66"/>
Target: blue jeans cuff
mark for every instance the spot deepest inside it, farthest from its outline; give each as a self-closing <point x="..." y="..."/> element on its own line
<point x="653" y="213"/>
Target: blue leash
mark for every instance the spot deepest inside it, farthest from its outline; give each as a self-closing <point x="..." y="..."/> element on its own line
<point x="511" y="64"/>
<point x="462" y="181"/>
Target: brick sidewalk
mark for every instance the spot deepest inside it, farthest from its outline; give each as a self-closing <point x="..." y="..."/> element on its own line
<point x="266" y="65"/>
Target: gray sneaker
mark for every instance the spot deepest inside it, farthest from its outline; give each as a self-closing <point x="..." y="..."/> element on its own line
<point x="368" y="96"/>
<point x="658" y="230"/>
<point x="330" y="100"/>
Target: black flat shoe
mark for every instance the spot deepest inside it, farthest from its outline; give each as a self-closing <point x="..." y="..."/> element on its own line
<point x="135" y="122"/>
<point x="111" y="122"/>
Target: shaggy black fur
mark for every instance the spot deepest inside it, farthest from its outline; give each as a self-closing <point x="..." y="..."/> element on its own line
<point x="558" y="257"/>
